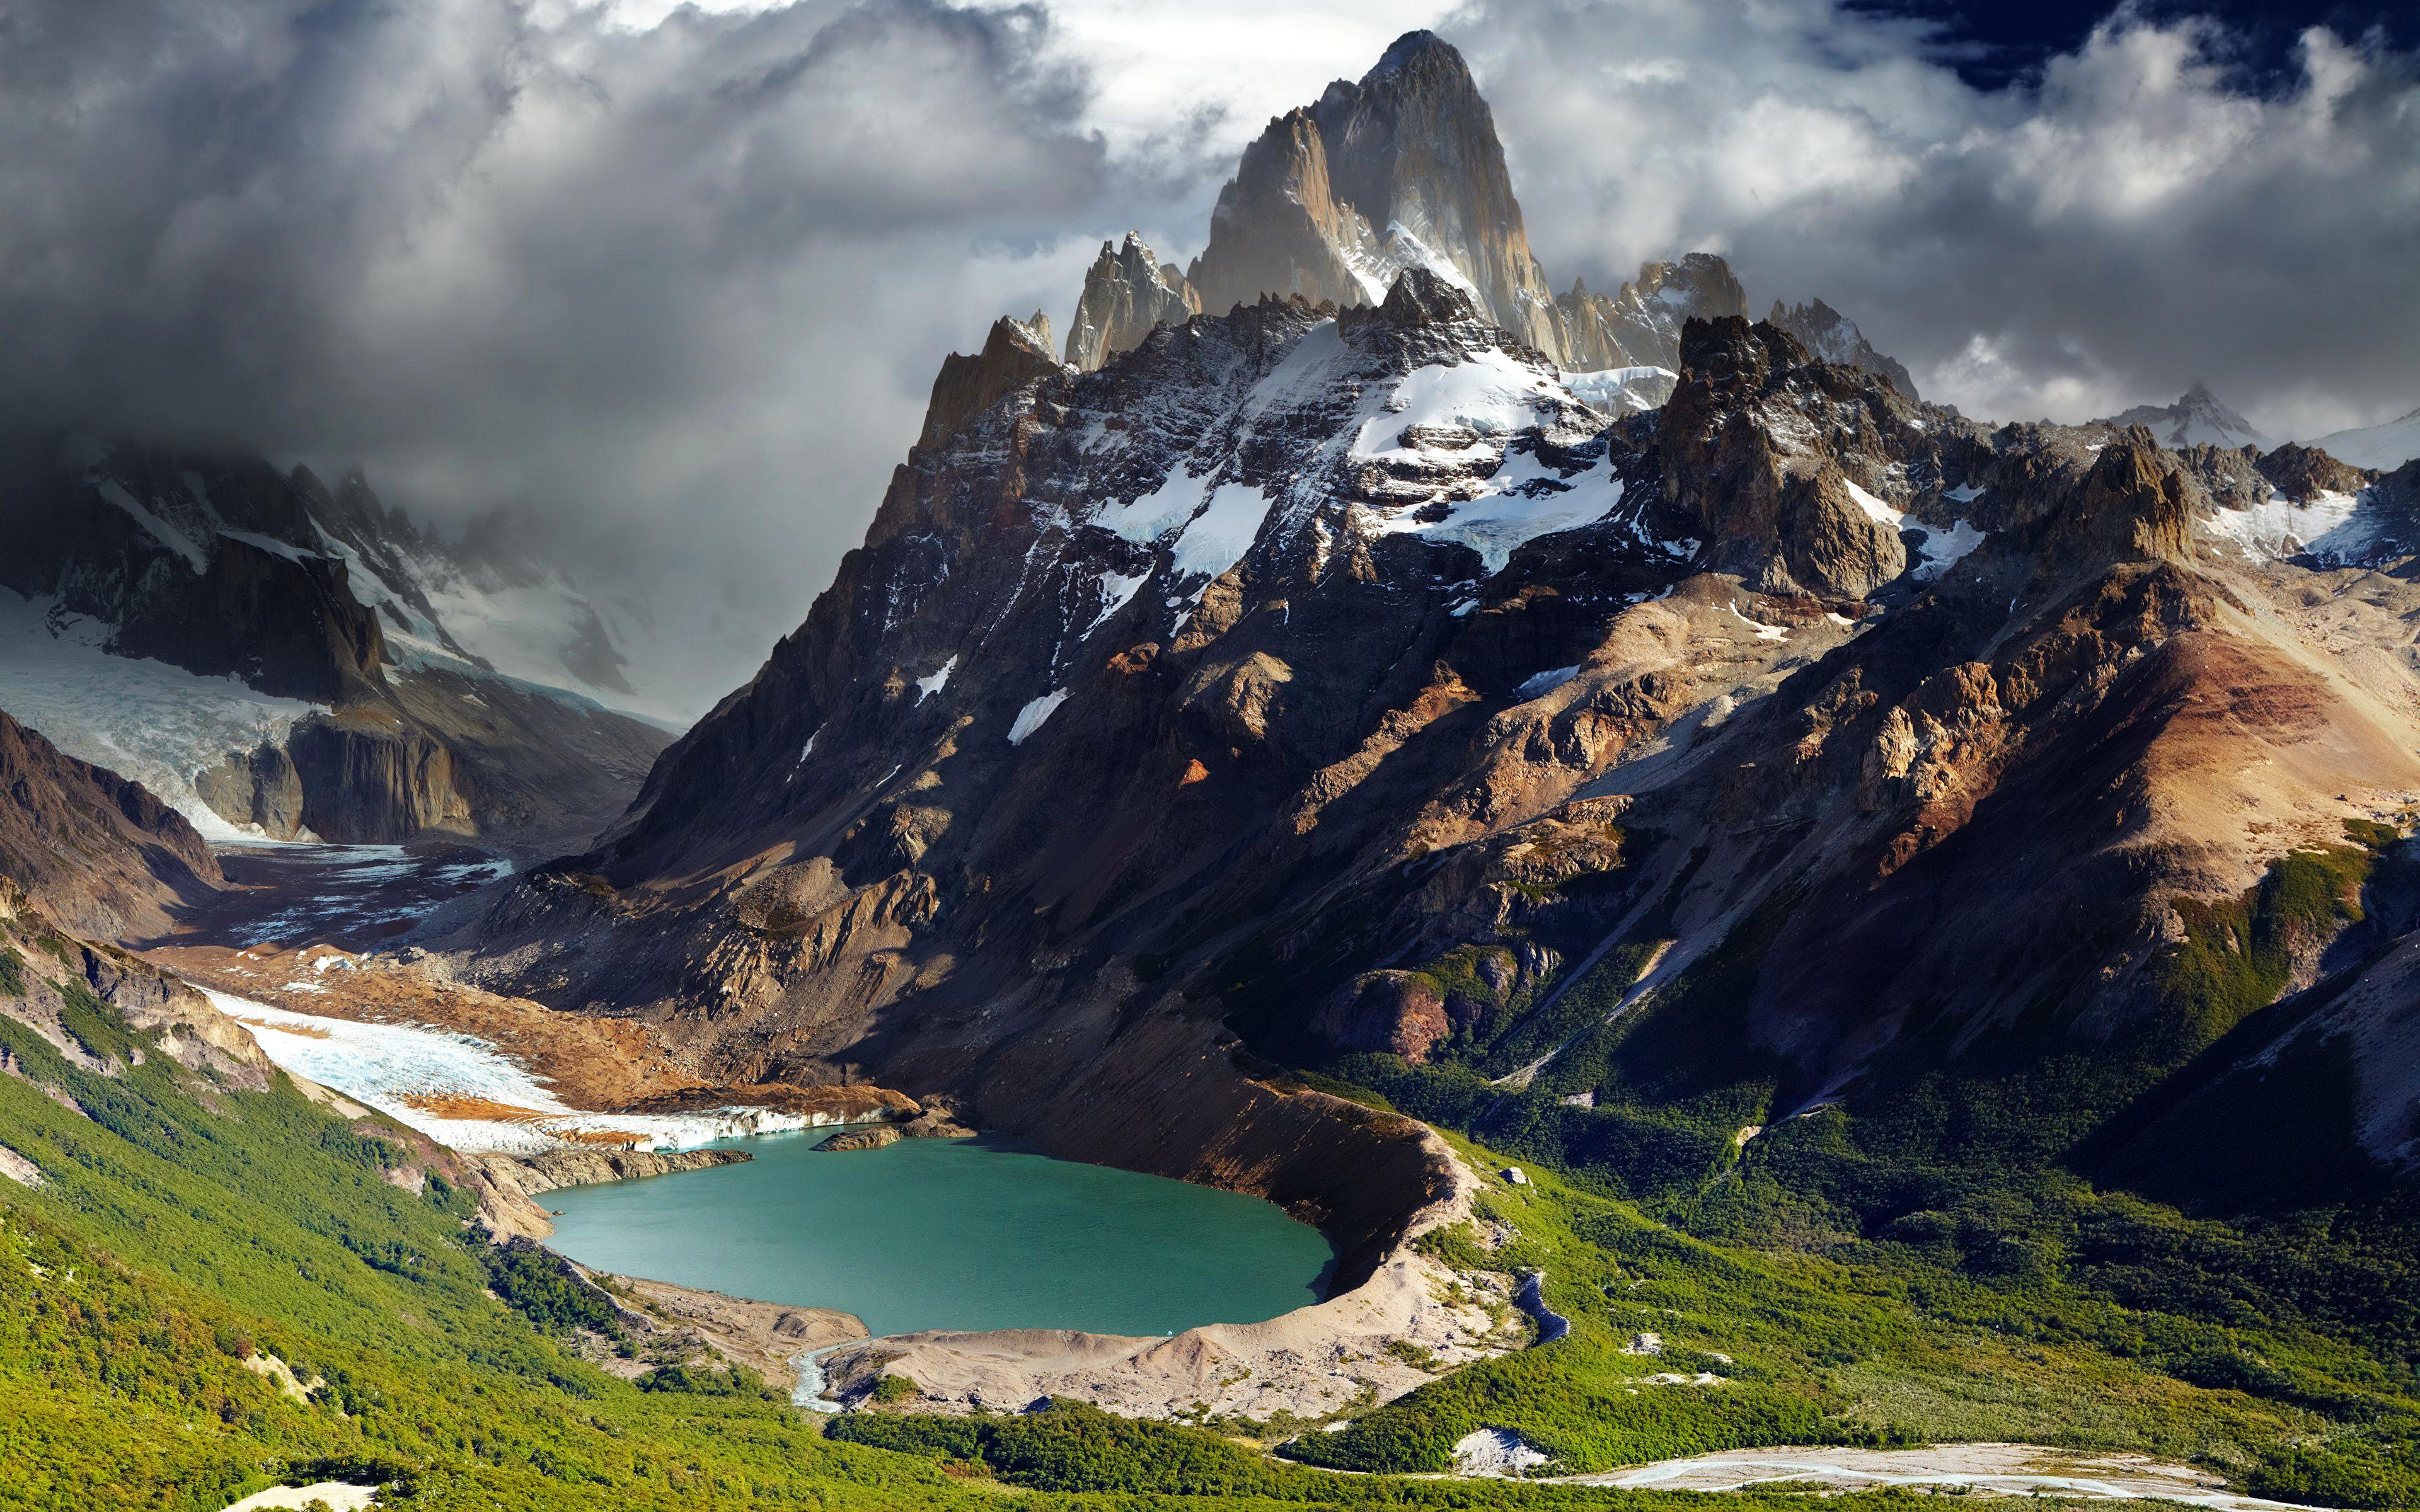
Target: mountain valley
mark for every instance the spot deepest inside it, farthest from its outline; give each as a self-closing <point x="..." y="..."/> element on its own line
<point x="1756" y="914"/>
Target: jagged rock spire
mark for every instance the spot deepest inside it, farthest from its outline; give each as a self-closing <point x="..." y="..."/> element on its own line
<point x="1640" y="326"/>
<point x="1127" y="292"/>
<point x="1399" y="170"/>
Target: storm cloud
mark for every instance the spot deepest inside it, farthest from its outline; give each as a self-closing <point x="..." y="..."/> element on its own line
<point x="669" y="285"/>
<point x="667" y="292"/>
<point x="2141" y="215"/>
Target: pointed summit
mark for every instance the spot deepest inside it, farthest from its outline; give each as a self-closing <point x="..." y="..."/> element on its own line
<point x="1397" y="171"/>
<point x="1014" y="354"/>
<point x="1127" y="292"/>
<point x="1834" y="337"/>
<point x="2199" y="418"/>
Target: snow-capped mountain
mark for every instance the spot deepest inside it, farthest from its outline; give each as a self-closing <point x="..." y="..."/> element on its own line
<point x="1244" y="683"/>
<point x="2384" y="446"/>
<point x="1834" y="338"/>
<point x="274" y="657"/>
<point x="2198" y="419"/>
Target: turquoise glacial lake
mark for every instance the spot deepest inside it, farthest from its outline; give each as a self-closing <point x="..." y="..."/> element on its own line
<point x="951" y="1233"/>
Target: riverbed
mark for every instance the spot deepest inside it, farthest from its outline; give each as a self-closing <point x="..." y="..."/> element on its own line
<point x="952" y="1234"/>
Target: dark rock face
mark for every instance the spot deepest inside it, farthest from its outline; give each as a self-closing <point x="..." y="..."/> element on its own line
<point x="1015" y="354"/>
<point x="97" y="853"/>
<point x="2303" y="473"/>
<point x="1770" y="493"/>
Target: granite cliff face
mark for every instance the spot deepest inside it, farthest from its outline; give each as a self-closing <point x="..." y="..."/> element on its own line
<point x="1401" y="170"/>
<point x="1127" y="292"/>
<point x="270" y="654"/>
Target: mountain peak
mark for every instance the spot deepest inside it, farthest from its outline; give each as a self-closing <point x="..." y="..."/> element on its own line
<point x="2198" y="418"/>
<point x="1414" y="52"/>
<point x="1834" y="337"/>
<point x="1399" y="170"/>
<point x="1127" y="293"/>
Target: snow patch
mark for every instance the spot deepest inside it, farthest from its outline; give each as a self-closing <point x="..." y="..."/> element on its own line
<point x="1545" y="682"/>
<point x="1117" y="591"/>
<point x="2333" y="527"/>
<point x="1031" y="717"/>
<point x="1938" y="548"/>
<point x="159" y="530"/>
<point x="1218" y="536"/>
<point x="926" y="687"/>
<point x="1764" y="632"/>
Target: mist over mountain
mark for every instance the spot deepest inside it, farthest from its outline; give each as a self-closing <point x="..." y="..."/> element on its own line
<point x="1400" y="859"/>
<point x="671" y="283"/>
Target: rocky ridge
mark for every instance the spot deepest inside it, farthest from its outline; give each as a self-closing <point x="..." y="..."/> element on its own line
<point x="94" y="850"/>
<point x="269" y="652"/>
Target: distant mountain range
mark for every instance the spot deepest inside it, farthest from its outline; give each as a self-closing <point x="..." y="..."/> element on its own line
<point x="276" y="657"/>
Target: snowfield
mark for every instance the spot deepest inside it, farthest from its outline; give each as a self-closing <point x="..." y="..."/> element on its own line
<point x="428" y="1079"/>
<point x="161" y="725"/>
<point x="2384" y="447"/>
<point x="2336" y="527"/>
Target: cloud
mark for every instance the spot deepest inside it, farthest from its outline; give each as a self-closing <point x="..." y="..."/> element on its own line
<point x="2139" y="216"/>
<point x="675" y="292"/>
<point x="671" y="283"/>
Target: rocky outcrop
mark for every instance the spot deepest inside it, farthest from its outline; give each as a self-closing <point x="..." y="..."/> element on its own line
<point x="1748" y="445"/>
<point x="1834" y="338"/>
<point x="552" y="1169"/>
<point x="2303" y="473"/>
<point x="1401" y="170"/>
<point x="95" y="851"/>
<point x="1013" y="355"/>
<point x="874" y="1138"/>
<point x="1127" y="292"/>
